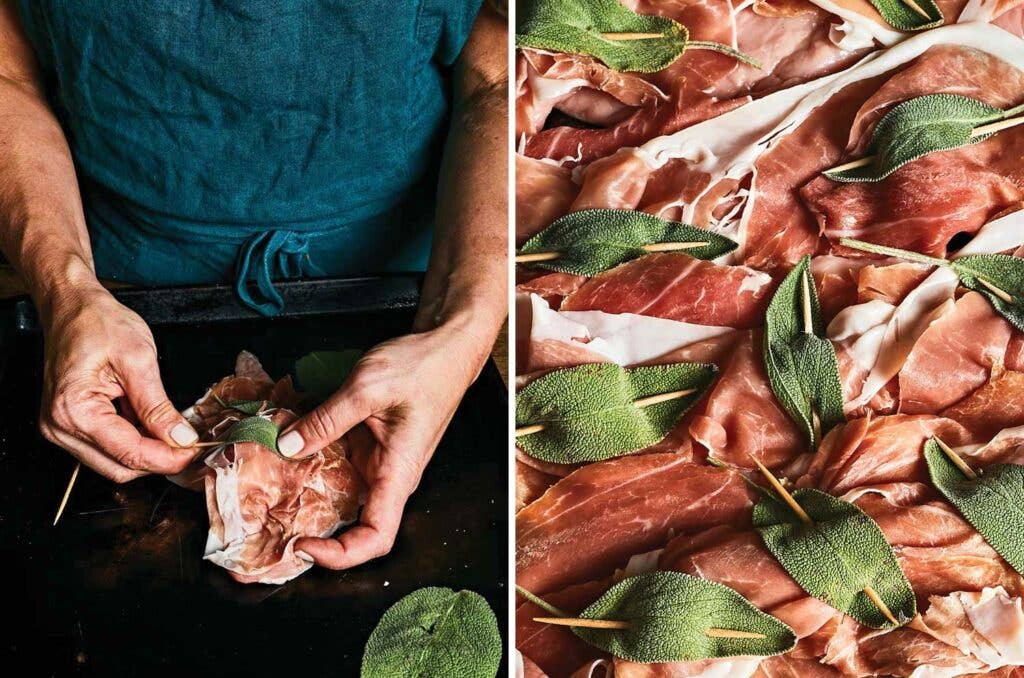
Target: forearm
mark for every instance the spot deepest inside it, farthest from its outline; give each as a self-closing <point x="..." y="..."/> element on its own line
<point x="42" y="225"/>
<point x="466" y="284"/>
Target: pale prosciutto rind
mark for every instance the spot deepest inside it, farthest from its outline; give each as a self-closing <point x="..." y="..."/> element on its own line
<point x="565" y="338"/>
<point x="594" y="519"/>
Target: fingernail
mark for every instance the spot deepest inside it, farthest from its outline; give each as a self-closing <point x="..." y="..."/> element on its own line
<point x="183" y="435"/>
<point x="305" y="556"/>
<point x="290" y="444"/>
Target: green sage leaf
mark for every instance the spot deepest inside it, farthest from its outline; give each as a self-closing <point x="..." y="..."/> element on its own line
<point x="250" y="407"/>
<point x="592" y="241"/>
<point x="836" y="556"/>
<point x="588" y="411"/>
<point x="581" y="27"/>
<point x="919" y="126"/>
<point x="321" y="373"/>
<point x="1004" y="275"/>
<point x="993" y="502"/>
<point x="670" y="614"/>
<point x="1004" y="272"/>
<point x="900" y="15"/>
<point x="802" y="367"/>
<point x="435" y="633"/>
<point x="253" y="430"/>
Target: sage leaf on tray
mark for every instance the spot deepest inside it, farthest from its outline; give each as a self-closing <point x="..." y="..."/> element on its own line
<point x="836" y="556"/>
<point x="252" y="430"/>
<point x="592" y="241"/>
<point x="900" y="15"/>
<point x="589" y="27"/>
<point x="802" y="367"/>
<point x="670" y="614"/>
<point x="321" y="373"/>
<point x="997" y="277"/>
<point x="993" y="502"/>
<point x="919" y="126"/>
<point x="588" y="412"/>
<point x="435" y="633"/>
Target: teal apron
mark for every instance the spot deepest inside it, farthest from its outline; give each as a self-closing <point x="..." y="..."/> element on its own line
<point x="251" y="139"/>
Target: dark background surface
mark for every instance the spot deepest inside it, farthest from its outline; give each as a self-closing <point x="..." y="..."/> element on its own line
<point x="119" y="587"/>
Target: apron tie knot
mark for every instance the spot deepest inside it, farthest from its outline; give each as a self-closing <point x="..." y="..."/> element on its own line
<point x="269" y="255"/>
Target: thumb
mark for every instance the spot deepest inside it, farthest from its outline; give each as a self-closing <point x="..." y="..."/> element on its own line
<point x="156" y="413"/>
<point x="325" y="424"/>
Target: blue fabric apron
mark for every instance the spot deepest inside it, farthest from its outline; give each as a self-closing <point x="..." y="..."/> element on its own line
<point x="259" y="139"/>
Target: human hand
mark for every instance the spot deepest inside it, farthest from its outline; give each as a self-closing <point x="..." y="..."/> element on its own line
<point x="405" y="391"/>
<point x="97" y="351"/>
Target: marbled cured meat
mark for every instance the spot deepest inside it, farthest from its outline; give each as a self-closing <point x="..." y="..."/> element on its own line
<point x="594" y="519"/>
<point x="258" y="502"/>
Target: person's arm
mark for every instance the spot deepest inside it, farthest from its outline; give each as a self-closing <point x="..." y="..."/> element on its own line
<point x="407" y="390"/>
<point x="97" y="351"/>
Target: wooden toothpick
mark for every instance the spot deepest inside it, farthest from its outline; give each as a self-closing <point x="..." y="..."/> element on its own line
<point x="67" y="493"/>
<point x="583" y="623"/>
<point x="732" y="633"/>
<point x="613" y="624"/>
<point x="791" y="500"/>
<point x="631" y="36"/>
<point x="647" y="401"/>
<point x="957" y="460"/>
<point x="1005" y="296"/>
<point x="653" y="247"/>
<point x="808" y="316"/>
<point x="880" y="604"/>
<point x="783" y="492"/>
<point x="211" y="443"/>
<point x="976" y="132"/>
<point x="917" y="8"/>
<point x="537" y="256"/>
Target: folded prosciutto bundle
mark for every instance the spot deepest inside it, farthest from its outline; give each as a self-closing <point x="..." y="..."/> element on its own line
<point x="259" y="502"/>
<point x="859" y="322"/>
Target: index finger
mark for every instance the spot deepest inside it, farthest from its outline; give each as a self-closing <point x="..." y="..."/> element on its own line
<point x="124" y="443"/>
<point x="372" y="538"/>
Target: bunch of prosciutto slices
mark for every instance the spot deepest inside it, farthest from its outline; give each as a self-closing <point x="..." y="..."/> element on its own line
<point x="866" y="194"/>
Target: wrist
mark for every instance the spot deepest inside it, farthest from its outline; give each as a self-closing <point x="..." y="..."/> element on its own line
<point x="464" y="336"/>
<point x="59" y="283"/>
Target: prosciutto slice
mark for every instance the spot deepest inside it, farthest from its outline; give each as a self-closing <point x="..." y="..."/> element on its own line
<point x="258" y="502"/>
<point x="594" y="519"/>
<point x="741" y="420"/>
<point x="678" y="287"/>
<point x="977" y="181"/>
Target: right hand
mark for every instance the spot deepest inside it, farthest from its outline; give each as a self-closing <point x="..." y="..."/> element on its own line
<point x="99" y="351"/>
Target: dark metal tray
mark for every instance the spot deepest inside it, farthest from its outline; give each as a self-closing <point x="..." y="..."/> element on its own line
<point x="119" y="587"/>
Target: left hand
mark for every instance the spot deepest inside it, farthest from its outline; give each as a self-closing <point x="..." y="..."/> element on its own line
<point x="406" y="391"/>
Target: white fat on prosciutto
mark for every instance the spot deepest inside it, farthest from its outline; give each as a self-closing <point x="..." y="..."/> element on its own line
<point x="878" y="336"/>
<point x="988" y="625"/>
<point x="259" y="503"/>
<point x="620" y="338"/>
